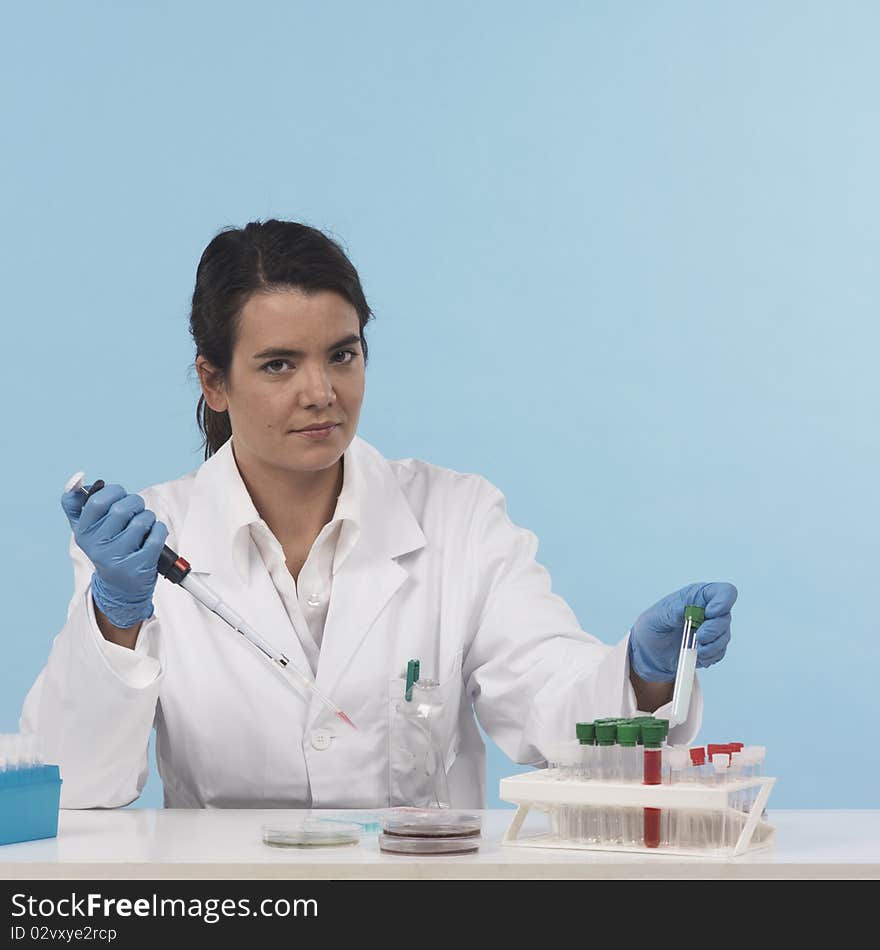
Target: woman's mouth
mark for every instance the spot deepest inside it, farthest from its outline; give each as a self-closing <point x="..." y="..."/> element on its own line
<point x="317" y="433"/>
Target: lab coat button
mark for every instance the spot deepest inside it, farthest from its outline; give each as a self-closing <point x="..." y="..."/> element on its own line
<point x="321" y="740"/>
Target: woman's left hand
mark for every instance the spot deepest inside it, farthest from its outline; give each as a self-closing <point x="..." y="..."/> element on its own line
<point x="655" y="639"/>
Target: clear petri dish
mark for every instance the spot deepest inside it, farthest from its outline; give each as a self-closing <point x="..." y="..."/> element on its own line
<point x="431" y="823"/>
<point x="420" y="844"/>
<point x="311" y="833"/>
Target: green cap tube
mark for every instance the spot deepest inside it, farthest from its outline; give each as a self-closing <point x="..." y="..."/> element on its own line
<point x="606" y="733"/>
<point x="586" y="733"/>
<point x="695" y="614"/>
<point x="652" y="735"/>
<point x="641" y="722"/>
<point x="628" y="733"/>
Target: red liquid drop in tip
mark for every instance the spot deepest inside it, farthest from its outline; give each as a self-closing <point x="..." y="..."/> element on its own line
<point x="345" y="719"/>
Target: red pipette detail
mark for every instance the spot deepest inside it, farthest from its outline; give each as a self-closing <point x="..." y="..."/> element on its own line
<point x="345" y="719"/>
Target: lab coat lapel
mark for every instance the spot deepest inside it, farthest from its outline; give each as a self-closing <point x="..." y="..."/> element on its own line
<point x="361" y="589"/>
<point x="370" y="575"/>
<point x="210" y="530"/>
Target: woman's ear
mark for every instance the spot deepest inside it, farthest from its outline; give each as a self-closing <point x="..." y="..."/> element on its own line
<point x="213" y="385"/>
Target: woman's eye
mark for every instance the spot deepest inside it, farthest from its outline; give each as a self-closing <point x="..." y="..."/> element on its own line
<point x="346" y="356"/>
<point x="274" y="367"/>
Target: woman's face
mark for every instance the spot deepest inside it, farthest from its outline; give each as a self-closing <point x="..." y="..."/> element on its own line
<point x="297" y="363"/>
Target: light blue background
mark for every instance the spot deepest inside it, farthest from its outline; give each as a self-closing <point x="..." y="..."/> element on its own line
<point x="624" y="261"/>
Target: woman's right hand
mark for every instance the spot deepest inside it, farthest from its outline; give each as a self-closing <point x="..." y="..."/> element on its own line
<point x="123" y="540"/>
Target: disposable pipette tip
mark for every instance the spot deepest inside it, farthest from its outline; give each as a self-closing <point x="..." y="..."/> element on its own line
<point x="345" y="719"/>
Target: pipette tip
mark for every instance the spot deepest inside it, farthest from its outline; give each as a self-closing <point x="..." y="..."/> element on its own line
<point x="345" y="719"/>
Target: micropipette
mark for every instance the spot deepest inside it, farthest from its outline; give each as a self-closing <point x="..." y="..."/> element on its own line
<point x="687" y="664"/>
<point x="176" y="569"/>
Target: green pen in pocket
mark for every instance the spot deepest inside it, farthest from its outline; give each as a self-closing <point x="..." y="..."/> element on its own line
<point x="412" y="676"/>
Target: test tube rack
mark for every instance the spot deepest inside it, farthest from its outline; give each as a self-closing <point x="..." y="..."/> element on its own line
<point x="545" y="791"/>
<point x="29" y="799"/>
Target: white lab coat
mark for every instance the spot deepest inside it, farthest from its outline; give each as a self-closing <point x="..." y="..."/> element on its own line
<point x="439" y="573"/>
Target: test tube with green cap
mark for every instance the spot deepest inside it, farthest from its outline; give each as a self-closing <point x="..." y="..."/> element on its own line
<point x="627" y="739"/>
<point x="687" y="664"/>
<point x="631" y="762"/>
<point x="606" y="736"/>
<point x="640" y="721"/>
<point x="583" y="819"/>
<point x="586" y="736"/>
<point x="664" y="760"/>
<point x="652" y="736"/>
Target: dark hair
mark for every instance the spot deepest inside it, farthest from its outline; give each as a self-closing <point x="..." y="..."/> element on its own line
<point x="261" y="257"/>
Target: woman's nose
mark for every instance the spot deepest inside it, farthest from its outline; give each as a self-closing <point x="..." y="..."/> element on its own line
<point x="316" y="391"/>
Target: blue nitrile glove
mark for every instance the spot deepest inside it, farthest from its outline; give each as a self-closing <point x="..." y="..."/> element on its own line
<point x="123" y="540"/>
<point x="655" y="638"/>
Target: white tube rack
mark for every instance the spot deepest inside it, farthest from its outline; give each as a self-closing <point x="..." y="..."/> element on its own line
<point x="543" y="790"/>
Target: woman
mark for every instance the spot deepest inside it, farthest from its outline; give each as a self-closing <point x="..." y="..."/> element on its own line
<point x="350" y="564"/>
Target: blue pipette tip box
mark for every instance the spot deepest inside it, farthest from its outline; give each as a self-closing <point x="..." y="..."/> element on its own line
<point x="29" y="799"/>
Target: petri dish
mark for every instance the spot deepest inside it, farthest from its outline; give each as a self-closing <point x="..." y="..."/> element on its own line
<point x="431" y="823"/>
<point x="311" y="833"/>
<point x="422" y="844"/>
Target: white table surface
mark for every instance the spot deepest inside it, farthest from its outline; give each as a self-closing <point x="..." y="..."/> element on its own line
<point x="135" y="843"/>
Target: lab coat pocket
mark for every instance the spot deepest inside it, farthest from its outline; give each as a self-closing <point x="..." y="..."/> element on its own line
<point x="423" y="738"/>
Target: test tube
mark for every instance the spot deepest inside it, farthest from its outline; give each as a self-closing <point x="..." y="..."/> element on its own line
<point x="630" y="771"/>
<point x="758" y="754"/>
<point x="677" y="819"/>
<point x="553" y="761"/>
<point x="720" y="767"/>
<point x="699" y="825"/>
<point x="568" y="757"/>
<point x="666" y="814"/>
<point x="586" y="736"/>
<point x="606" y="737"/>
<point x="736" y="772"/>
<point x="652" y="738"/>
<point x="694" y="616"/>
<point x="737" y="799"/>
<point x="713" y="748"/>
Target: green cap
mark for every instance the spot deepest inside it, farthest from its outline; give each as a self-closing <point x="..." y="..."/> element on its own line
<point x="665" y="724"/>
<point x="641" y="722"/>
<point x="652" y="735"/>
<point x="606" y="733"/>
<point x="586" y="732"/>
<point x="695" y="614"/>
<point x="628" y="733"/>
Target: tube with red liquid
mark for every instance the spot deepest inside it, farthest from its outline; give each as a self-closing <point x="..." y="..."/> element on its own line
<point x="652" y="737"/>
